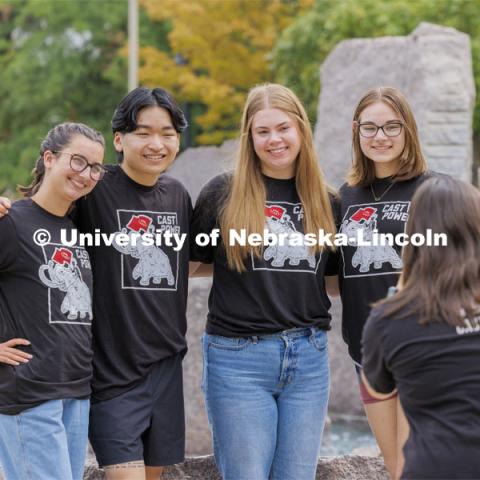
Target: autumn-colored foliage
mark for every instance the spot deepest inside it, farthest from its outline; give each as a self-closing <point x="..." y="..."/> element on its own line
<point x="218" y="50"/>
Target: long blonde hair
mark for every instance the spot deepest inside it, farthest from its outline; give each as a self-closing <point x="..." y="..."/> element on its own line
<point x="244" y="207"/>
<point x="412" y="162"/>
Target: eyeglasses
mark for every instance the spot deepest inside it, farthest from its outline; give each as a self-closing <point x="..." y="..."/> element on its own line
<point x="79" y="163"/>
<point x="369" y="130"/>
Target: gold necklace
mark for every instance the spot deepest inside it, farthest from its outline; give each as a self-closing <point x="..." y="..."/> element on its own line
<point x="384" y="192"/>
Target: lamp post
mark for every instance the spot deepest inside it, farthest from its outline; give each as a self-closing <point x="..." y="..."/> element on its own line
<point x="187" y="135"/>
<point x="132" y="44"/>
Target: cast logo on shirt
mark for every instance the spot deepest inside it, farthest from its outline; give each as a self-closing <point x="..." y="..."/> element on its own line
<point x="63" y="274"/>
<point x="286" y="219"/>
<point x="147" y="266"/>
<point x="364" y="260"/>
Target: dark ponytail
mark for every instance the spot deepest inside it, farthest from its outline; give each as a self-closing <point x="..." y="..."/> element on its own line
<point x="57" y="138"/>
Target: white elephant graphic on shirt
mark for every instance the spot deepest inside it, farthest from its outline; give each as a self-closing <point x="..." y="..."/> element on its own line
<point x="153" y="264"/>
<point x="365" y="255"/>
<point x="67" y="278"/>
<point x="290" y="250"/>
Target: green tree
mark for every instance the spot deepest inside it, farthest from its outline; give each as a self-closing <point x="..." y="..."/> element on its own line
<point x="59" y="61"/>
<point x="305" y="44"/>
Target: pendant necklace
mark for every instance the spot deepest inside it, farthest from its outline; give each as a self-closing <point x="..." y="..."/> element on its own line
<point x="377" y="199"/>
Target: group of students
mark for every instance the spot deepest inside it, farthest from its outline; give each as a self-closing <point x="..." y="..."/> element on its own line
<point x="120" y="344"/>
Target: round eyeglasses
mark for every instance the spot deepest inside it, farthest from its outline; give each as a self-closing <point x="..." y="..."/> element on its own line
<point x="79" y="163"/>
<point x="369" y="130"/>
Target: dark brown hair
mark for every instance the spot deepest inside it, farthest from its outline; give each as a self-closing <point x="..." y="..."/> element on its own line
<point x="56" y="139"/>
<point x="441" y="283"/>
<point x="412" y="162"/>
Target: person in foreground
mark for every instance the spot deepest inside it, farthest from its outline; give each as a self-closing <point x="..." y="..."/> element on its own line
<point x="266" y="374"/>
<point x="46" y="314"/>
<point x="424" y="342"/>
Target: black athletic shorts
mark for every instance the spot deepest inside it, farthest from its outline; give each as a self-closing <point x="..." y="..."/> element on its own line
<point x="145" y="423"/>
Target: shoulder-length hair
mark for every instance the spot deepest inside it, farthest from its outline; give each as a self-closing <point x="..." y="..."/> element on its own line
<point x="412" y="161"/>
<point x="244" y="207"/>
<point x="441" y="283"/>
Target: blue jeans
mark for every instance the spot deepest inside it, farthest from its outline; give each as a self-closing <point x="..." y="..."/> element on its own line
<point x="266" y="399"/>
<point x="47" y="442"/>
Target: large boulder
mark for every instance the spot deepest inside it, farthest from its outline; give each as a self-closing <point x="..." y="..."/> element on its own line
<point x="195" y="166"/>
<point x="432" y="66"/>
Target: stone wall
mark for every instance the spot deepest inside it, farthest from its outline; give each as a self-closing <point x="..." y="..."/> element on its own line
<point x="432" y="66"/>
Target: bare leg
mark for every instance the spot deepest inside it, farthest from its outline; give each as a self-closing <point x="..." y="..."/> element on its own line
<point x="403" y="430"/>
<point x="154" y="473"/>
<point x="382" y="417"/>
<point x="126" y="471"/>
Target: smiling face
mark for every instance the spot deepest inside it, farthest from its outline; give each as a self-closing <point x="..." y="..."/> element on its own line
<point x="61" y="180"/>
<point x="383" y="150"/>
<point x="151" y="148"/>
<point x="276" y="141"/>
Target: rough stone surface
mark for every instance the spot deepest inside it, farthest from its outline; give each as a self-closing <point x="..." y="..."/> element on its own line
<point x="195" y="166"/>
<point x="432" y="66"/>
<point x="347" y="467"/>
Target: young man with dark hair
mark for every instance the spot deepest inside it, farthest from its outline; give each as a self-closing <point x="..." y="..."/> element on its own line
<point x="140" y="293"/>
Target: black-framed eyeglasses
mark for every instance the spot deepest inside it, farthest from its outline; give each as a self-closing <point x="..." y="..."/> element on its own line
<point x="78" y="163"/>
<point x="391" y="129"/>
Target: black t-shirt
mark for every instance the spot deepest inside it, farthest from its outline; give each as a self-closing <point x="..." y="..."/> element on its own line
<point x="45" y="297"/>
<point x="436" y="369"/>
<point x="367" y="272"/>
<point x="140" y="292"/>
<point x="281" y="290"/>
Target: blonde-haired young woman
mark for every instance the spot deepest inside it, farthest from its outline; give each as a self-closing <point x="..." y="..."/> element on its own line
<point x="387" y="168"/>
<point x="266" y="375"/>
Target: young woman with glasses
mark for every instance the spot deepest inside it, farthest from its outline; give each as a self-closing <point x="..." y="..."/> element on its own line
<point x="266" y="374"/>
<point x="46" y="314"/>
<point x="387" y="168"/>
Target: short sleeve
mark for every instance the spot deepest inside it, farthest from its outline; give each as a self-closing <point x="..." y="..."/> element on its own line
<point x="374" y="365"/>
<point x="205" y="219"/>
<point x="8" y="243"/>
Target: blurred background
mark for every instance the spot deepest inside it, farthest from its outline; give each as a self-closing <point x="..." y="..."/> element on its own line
<point x="67" y="59"/>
